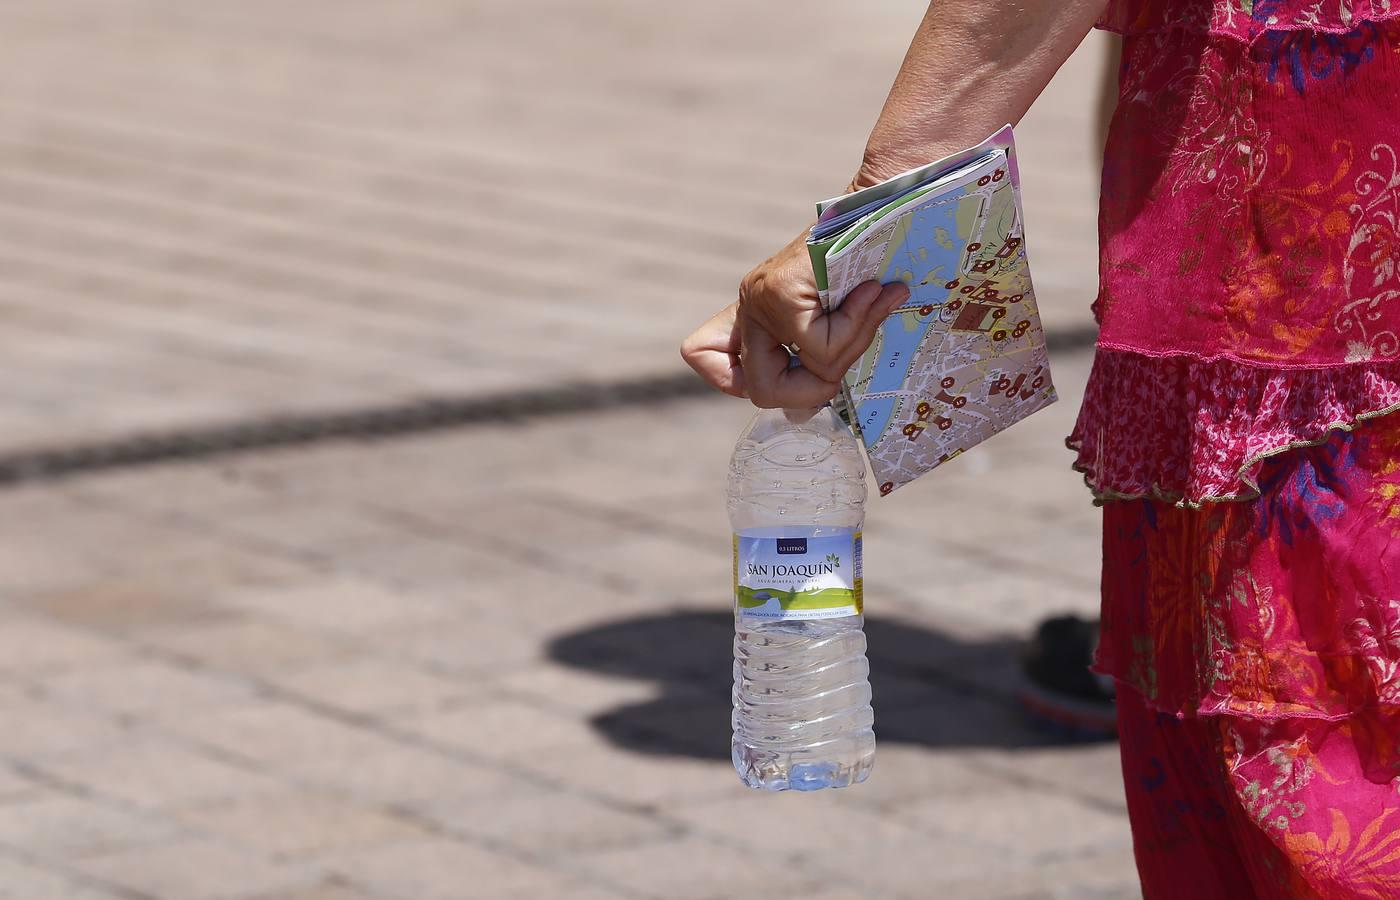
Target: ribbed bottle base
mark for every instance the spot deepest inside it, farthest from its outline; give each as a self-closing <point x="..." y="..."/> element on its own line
<point x="805" y="770"/>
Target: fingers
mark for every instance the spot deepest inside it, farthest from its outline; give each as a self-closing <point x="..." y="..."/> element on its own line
<point x="739" y="354"/>
<point x="781" y="293"/>
<point x="781" y="296"/>
<point x="850" y="328"/>
<point x="862" y="330"/>
<point x="712" y="350"/>
<point x="771" y="382"/>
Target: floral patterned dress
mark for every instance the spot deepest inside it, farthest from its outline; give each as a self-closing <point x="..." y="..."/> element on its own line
<point x="1235" y="428"/>
<point x="1249" y="294"/>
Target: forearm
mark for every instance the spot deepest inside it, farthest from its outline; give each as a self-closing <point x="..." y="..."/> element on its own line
<point x="973" y="66"/>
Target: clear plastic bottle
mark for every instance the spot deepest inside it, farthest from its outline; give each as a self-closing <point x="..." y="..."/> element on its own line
<point x="802" y="715"/>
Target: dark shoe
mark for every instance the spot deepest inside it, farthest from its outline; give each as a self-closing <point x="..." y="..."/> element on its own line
<point x="1058" y="690"/>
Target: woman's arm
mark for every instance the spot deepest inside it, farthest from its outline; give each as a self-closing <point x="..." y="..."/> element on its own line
<point x="973" y="66"/>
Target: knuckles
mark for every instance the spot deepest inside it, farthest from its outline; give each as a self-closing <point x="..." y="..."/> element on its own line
<point x="763" y="400"/>
<point x="750" y="289"/>
<point x="764" y="395"/>
<point x="689" y="348"/>
<point x="760" y="291"/>
<point x="767" y="397"/>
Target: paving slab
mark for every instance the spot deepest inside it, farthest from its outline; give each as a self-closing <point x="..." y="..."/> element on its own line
<point x="447" y="869"/>
<point x="22" y="881"/>
<point x="193" y="869"/>
<point x="62" y="826"/>
<point x="298" y="824"/>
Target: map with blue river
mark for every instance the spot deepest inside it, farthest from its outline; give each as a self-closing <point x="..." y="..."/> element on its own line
<point x="964" y="357"/>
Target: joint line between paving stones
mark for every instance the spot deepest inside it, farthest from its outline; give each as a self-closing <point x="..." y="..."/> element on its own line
<point x="375" y="423"/>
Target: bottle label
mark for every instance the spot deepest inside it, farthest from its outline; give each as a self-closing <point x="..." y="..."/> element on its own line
<point x="798" y="577"/>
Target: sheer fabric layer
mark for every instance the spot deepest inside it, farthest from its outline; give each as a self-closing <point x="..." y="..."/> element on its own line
<point x="1191" y="430"/>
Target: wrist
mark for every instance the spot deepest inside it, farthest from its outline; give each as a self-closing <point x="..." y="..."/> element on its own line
<point x="895" y="151"/>
<point x="872" y="173"/>
<point x="875" y="168"/>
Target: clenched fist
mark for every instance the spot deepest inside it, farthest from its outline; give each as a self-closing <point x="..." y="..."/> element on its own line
<point x="743" y="349"/>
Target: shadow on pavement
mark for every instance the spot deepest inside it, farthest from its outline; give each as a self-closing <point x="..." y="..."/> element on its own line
<point x="930" y="689"/>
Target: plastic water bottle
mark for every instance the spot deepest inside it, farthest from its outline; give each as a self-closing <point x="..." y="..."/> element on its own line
<point x="802" y="716"/>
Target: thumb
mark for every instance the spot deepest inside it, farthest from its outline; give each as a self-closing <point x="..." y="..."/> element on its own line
<point x="864" y="318"/>
<point x="889" y="298"/>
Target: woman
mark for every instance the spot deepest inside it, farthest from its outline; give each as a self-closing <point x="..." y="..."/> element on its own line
<point x="1234" y="425"/>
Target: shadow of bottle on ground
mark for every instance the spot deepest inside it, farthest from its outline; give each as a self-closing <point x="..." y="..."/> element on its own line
<point x="930" y="689"/>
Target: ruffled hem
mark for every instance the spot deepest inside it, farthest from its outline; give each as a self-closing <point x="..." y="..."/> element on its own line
<point x="1281" y="617"/>
<point x="1189" y="430"/>
<point x="1243" y="20"/>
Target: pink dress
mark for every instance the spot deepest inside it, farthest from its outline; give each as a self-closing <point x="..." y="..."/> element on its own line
<point x="1249" y="312"/>
<point x="1249" y="293"/>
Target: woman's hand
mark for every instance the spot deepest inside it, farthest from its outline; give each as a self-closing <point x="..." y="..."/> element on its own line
<point x="973" y="66"/>
<point x="713" y="350"/>
<point x="743" y="351"/>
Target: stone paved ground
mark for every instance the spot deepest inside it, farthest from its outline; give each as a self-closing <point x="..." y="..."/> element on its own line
<point x="215" y="210"/>
<point x="493" y="662"/>
<point x="455" y="667"/>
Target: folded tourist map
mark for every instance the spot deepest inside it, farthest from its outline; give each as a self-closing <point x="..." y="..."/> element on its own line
<point x="964" y="357"/>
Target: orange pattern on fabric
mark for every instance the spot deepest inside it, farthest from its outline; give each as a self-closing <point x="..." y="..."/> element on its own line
<point x="1275" y="623"/>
